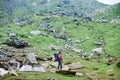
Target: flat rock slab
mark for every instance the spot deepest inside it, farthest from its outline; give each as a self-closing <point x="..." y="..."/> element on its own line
<point x="73" y="66"/>
<point x="29" y="68"/>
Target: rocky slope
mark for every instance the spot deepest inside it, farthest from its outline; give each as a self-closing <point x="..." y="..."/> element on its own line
<point x="19" y="8"/>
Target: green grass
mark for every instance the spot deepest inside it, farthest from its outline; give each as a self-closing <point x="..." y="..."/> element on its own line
<point x="92" y="30"/>
<point x="42" y="76"/>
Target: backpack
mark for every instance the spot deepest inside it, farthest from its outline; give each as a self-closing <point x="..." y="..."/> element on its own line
<point x="59" y="56"/>
<point x="56" y="56"/>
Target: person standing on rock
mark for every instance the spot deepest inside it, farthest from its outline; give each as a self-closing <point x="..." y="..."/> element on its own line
<point x="59" y="60"/>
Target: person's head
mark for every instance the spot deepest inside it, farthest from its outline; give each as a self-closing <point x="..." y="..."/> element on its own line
<point x="60" y="52"/>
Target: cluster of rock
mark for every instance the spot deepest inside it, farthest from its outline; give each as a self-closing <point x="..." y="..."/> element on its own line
<point x="21" y="21"/>
<point x="22" y="62"/>
<point x="15" y="42"/>
<point x="116" y="21"/>
<point x="30" y="63"/>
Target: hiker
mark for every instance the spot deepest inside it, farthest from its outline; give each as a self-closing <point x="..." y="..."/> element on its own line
<point x="59" y="60"/>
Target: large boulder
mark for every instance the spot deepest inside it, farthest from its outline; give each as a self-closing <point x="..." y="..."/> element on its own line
<point x="32" y="58"/>
<point x="29" y="68"/>
<point x="77" y="65"/>
<point x="25" y="68"/>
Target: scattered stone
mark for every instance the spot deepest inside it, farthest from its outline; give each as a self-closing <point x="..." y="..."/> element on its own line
<point x="61" y="34"/>
<point x="110" y="60"/>
<point x="116" y="21"/>
<point x="111" y="76"/>
<point x="97" y="52"/>
<point x="29" y="37"/>
<point x="103" y="20"/>
<point x="87" y="19"/>
<point x="13" y="71"/>
<point x="3" y="56"/>
<point x="118" y="63"/>
<point x="75" y="49"/>
<point x="14" y="42"/>
<point x="77" y="41"/>
<point x="53" y="70"/>
<point x="11" y="35"/>
<point x="90" y="75"/>
<point x="79" y="74"/>
<point x="94" y="60"/>
<point x="54" y="47"/>
<point x="4" y="65"/>
<point x="3" y="72"/>
<point x="36" y="32"/>
<point x="46" y="65"/>
<point x="13" y="64"/>
<point x="32" y="58"/>
<point x="3" y="60"/>
<point x="54" y="64"/>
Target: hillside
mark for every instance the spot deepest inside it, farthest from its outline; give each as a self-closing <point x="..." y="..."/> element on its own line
<point x="112" y="14"/>
<point x="63" y="25"/>
<point x="23" y="8"/>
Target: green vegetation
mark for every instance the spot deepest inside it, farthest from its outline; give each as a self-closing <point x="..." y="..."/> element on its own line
<point x="110" y="32"/>
<point x="93" y="30"/>
<point x="109" y="13"/>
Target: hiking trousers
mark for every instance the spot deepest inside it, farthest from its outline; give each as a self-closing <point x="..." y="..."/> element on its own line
<point x="59" y="64"/>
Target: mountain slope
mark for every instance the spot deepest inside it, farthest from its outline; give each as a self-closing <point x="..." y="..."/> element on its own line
<point x="19" y="8"/>
<point x="112" y="13"/>
<point x="62" y="17"/>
